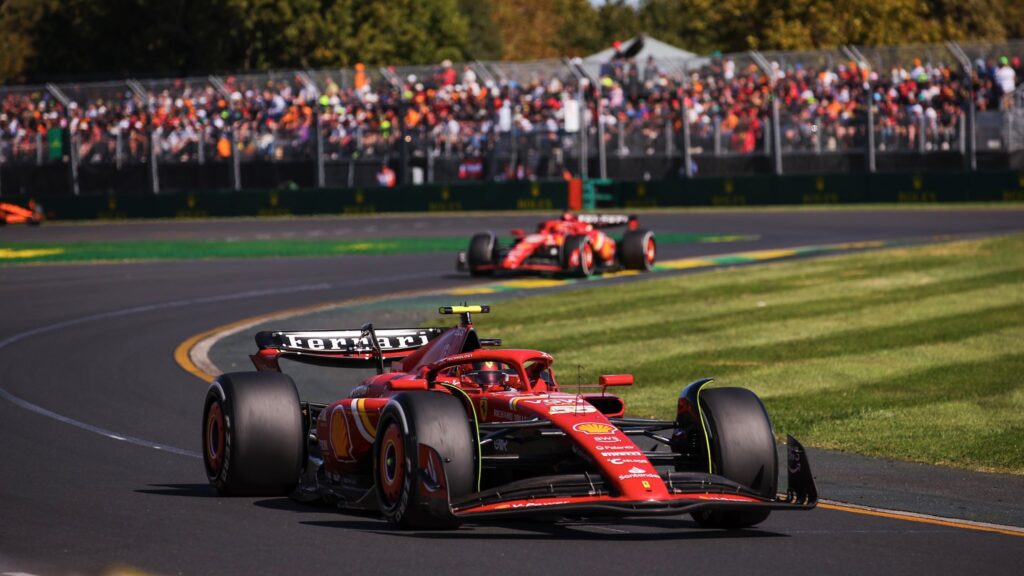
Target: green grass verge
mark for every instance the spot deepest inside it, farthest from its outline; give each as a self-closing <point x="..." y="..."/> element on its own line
<point x="11" y="253"/>
<point x="910" y="353"/>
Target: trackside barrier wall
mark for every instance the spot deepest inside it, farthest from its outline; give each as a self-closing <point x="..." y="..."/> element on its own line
<point x="553" y="196"/>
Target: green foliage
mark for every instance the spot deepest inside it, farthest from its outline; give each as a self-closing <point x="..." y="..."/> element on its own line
<point x="484" y="42"/>
<point x="52" y="38"/>
<point x="47" y="39"/>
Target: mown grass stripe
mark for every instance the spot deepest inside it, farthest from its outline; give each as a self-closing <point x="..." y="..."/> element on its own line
<point x="911" y="353"/>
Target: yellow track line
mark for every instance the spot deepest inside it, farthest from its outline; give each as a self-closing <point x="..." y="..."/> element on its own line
<point x="921" y="518"/>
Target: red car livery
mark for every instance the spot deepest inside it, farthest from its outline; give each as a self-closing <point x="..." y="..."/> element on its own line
<point x="576" y="245"/>
<point x="454" y="428"/>
<point x="15" y="214"/>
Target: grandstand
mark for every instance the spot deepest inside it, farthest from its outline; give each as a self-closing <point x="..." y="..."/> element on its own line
<point x="853" y="109"/>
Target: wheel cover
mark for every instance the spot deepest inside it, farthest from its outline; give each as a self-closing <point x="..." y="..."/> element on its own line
<point x="650" y="252"/>
<point x="392" y="464"/>
<point x="587" y="257"/>
<point x="213" y="438"/>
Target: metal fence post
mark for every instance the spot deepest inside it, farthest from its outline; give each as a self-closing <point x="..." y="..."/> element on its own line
<point x="39" y="149"/>
<point x="776" y="133"/>
<point x="602" y="152"/>
<point x="118" y="149"/>
<point x="201" y="147"/>
<point x="236" y="166"/>
<point x="961" y="140"/>
<point x="154" y="143"/>
<point x="718" y="136"/>
<point x="687" y="150"/>
<point x="321" y="176"/>
<point x="871" y="133"/>
<point x="668" y="137"/>
<point x="920" y="135"/>
<point x="967" y="69"/>
<point x="73" y="157"/>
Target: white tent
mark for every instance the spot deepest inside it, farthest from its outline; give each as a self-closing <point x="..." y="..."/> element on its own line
<point x="652" y="47"/>
<point x="665" y="55"/>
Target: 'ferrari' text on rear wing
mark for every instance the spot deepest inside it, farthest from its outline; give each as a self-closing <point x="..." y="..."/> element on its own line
<point x="346" y="341"/>
<point x="343" y="348"/>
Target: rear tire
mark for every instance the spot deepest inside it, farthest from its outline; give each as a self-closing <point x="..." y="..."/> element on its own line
<point x="440" y="422"/>
<point x="578" y="256"/>
<point x="742" y="450"/>
<point x="638" y="250"/>
<point x="481" y="253"/>
<point x="252" y="434"/>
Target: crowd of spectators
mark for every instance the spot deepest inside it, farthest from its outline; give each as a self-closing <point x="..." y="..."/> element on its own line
<point x="526" y="115"/>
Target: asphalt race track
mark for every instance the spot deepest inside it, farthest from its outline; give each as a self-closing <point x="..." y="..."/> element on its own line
<point x="100" y="427"/>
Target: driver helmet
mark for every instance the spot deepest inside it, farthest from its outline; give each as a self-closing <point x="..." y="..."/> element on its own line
<point x="483" y="373"/>
<point x="568" y="217"/>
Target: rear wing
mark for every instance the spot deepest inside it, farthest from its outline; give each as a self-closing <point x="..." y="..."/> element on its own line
<point x="609" y="220"/>
<point x="362" y="348"/>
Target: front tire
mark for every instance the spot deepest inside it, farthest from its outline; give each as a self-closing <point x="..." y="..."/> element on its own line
<point x="578" y="256"/>
<point x="638" y="250"/>
<point x="480" y="256"/>
<point x="742" y="450"/>
<point x="252" y="434"/>
<point x="435" y="420"/>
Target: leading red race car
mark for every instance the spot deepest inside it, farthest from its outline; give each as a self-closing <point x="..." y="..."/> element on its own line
<point x="461" y="430"/>
<point x="15" y="214"/>
<point x="573" y="244"/>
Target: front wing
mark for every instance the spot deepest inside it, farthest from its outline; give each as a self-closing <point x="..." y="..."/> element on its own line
<point x="586" y="495"/>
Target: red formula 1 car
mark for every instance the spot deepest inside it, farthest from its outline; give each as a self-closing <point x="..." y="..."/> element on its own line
<point x="458" y="429"/>
<point x="573" y="244"/>
<point x="14" y="214"/>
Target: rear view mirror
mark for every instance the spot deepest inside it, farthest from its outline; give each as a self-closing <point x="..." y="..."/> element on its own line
<point x="518" y="233"/>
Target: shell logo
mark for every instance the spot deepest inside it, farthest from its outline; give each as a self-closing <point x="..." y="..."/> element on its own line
<point x="594" y="428"/>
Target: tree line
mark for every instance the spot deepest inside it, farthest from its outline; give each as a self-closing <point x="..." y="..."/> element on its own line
<point x="43" y="40"/>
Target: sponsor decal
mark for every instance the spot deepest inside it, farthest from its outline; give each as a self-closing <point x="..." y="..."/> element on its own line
<point x="623" y="461"/>
<point x="500" y="445"/>
<point x="572" y="409"/>
<point x="506" y="415"/>
<point x="646" y="484"/>
<point x="483" y="408"/>
<point x="636" y="470"/>
<point x="607" y="439"/>
<point x="622" y="453"/>
<point x="515" y="505"/>
<point x="353" y="340"/>
<point x="603" y="219"/>
<point x="592" y="428"/>
<point x="633" y="476"/>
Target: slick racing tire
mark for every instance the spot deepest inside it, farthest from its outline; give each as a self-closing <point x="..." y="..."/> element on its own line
<point x="578" y="256"/>
<point x="742" y="450"/>
<point x="481" y="253"/>
<point x="252" y="434"/>
<point x="638" y="250"/>
<point x="440" y="422"/>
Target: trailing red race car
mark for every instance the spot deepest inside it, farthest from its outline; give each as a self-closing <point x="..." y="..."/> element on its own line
<point x="459" y="429"/>
<point x="14" y="214"/>
<point x="573" y="244"/>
